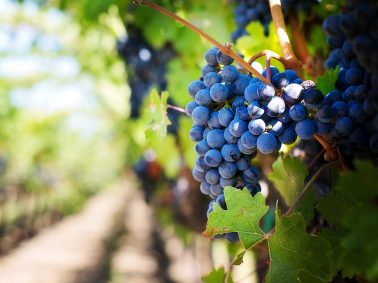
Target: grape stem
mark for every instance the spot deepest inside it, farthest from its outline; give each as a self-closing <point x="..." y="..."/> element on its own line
<point x="271" y="54"/>
<point x="308" y="185"/>
<point x="177" y="108"/>
<point x="225" y="49"/>
<point x="318" y="155"/>
<point x="300" y="44"/>
<point x="283" y="38"/>
<point x="330" y="148"/>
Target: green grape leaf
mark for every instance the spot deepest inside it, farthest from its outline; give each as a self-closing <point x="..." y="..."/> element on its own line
<point x="360" y="245"/>
<point x="217" y="276"/>
<point x="360" y="184"/>
<point x="155" y="114"/>
<point x="242" y="216"/>
<point x="288" y="177"/>
<point x="334" y="237"/>
<point x="326" y="83"/>
<point x="356" y="220"/>
<point x="295" y="254"/>
<point x="333" y="207"/>
<point x="306" y="205"/>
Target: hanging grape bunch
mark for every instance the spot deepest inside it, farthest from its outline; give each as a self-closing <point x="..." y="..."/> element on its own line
<point x="235" y="115"/>
<point x="349" y="115"/>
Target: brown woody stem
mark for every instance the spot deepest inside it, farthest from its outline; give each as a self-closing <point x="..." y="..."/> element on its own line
<point x="224" y="49"/>
<point x="283" y="38"/>
<point x="299" y="39"/>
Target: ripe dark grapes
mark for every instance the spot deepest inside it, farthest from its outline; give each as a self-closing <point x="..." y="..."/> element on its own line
<point x="236" y="115"/>
<point x="349" y="108"/>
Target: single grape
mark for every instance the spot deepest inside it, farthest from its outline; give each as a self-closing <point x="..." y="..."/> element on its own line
<point x="190" y="107"/>
<point x="211" y="56"/>
<point x="241" y="113"/>
<point x="228" y="137"/>
<point x="211" y="79"/>
<point x="213" y="158"/>
<point x="237" y="127"/>
<point x="305" y="129"/>
<point x="213" y="122"/>
<point x="313" y="98"/>
<point x="280" y="80"/>
<point x="266" y="143"/>
<point x="251" y="175"/>
<point x="229" y="73"/>
<point x="195" y="86"/>
<point x="200" y="115"/>
<point x="255" y="111"/>
<point x="201" y="164"/>
<point x="225" y="116"/>
<point x="298" y="112"/>
<point x="216" y="189"/>
<point x="203" y="97"/>
<point x="288" y="136"/>
<point x="257" y="126"/>
<point x="230" y="152"/>
<point x="265" y="91"/>
<point x="223" y="59"/>
<point x="243" y="164"/>
<point x="224" y="182"/>
<point x="250" y="93"/>
<point x="240" y="84"/>
<point x="248" y="140"/>
<point x="197" y="175"/>
<point x="325" y="114"/>
<point x="275" y="107"/>
<point x="275" y="127"/>
<point x="202" y="147"/>
<point x="212" y="177"/>
<point x="293" y="93"/>
<point x="205" y="188"/>
<point x="344" y="126"/>
<point x="219" y="92"/>
<point x="196" y="133"/>
<point x="227" y="169"/>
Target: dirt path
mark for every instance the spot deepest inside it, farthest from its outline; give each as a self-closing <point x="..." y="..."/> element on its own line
<point x="72" y="250"/>
<point x="116" y="238"/>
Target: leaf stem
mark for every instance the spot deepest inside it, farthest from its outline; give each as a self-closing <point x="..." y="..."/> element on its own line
<point x="308" y="185"/>
<point x="226" y="49"/>
<point x="283" y="38"/>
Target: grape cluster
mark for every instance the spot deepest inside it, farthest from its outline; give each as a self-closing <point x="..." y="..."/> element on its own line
<point x="236" y="115"/>
<point x="258" y="10"/>
<point x="146" y="68"/>
<point x="350" y="112"/>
